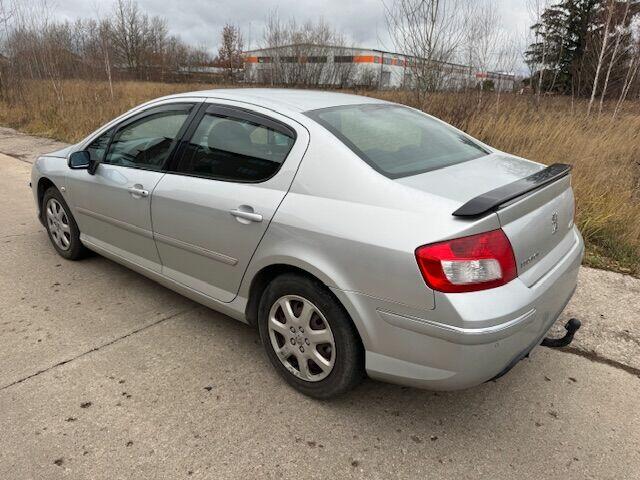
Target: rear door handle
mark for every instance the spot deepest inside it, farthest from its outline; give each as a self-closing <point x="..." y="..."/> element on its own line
<point x="137" y="192"/>
<point x="245" y="215"/>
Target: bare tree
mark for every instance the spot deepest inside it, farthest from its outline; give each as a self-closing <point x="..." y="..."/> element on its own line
<point x="6" y="12"/>
<point x="621" y="29"/>
<point x="536" y="9"/>
<point x="230" y="52"/>
<point x="104" y="34"/>
<point x="36" y="45"/>
<point x="507" y="60"/>
<point x="631" y="75"/>
<point x="603" y="49"/>
<point x="130" y="28"/>
<point x="482" y="38"/>
<point x="275" y="37"/>
<point x="430" y="32"/>
<point x="303" y="54"/>
<point x="341" y="70"/>
<point x="123" y="44"/>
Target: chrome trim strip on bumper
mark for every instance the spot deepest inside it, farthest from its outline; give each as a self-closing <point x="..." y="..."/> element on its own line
<point x="459" y="335"/>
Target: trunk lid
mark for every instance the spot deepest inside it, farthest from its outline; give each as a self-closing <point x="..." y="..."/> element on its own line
<point x="539" y="224"/>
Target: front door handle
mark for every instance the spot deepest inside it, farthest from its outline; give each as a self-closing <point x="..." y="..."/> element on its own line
<point x="137" y="191"/>
<point x="246" y="216"/>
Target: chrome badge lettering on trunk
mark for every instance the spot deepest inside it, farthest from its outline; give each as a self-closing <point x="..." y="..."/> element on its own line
<point x="529" y="260"/>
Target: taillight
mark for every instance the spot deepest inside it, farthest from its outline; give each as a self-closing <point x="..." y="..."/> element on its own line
<point x="468" y="264"/>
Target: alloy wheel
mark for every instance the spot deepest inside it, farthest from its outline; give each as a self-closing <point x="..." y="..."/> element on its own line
<point x="58" y="224"/>
<point x="302" y="338"/>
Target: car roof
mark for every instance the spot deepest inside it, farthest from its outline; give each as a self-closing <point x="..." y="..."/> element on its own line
<point x="279" y="99"/>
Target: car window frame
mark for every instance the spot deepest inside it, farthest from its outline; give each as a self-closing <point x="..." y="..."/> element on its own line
<point x="193" y="106"/>
<point x="235" y="113"/>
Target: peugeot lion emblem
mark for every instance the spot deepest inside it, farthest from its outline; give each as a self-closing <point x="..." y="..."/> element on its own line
<point x="554" y="223"/>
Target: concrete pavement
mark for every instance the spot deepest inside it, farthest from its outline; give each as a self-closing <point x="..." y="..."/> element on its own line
<point x="105" y="374"/>
<point x="25" y="147"/>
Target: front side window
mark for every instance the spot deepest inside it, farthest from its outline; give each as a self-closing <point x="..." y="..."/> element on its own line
<point x="146" y="143"/>
<point x="98" y="147"/>
<point x="397" y="141"/>
<point x="234" y="149"/>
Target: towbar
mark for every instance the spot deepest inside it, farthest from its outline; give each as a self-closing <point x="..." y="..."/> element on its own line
<point x="572" y="326"/>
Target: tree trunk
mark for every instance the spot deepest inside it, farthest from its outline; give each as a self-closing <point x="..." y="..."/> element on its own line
<point x="631" y="74"/>
<point x="613" y="57"/>
<point x="605" y="40"/>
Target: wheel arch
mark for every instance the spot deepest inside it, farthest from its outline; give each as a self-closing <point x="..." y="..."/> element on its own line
<point x="261" y="280"/>
<point x="266" y="274"/>
<point x="44" y="183"/>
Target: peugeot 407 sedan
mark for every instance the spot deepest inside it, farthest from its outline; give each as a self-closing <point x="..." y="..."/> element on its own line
<point x="358" y="235"/>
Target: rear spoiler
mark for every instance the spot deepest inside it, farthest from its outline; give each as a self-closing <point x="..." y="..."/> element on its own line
<point x="490" y="201"/>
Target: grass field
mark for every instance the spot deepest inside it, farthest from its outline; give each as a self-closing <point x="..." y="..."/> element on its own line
<point x="605" y="153"/>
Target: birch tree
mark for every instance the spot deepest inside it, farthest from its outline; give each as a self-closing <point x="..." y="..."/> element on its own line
<point x="603" y="49"/>
<point x="621" y="29"/>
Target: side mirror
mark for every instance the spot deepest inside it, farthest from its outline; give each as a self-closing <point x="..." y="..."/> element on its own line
<point x="79" y="160"/>
<point x="82" y="161"/>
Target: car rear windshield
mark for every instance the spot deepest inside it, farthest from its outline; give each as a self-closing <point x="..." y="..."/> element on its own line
<point x="397" y="141"/>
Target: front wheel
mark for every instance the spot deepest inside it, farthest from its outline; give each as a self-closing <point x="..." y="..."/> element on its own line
<point x="309" y="338"/>
<point x="61" y="226"/>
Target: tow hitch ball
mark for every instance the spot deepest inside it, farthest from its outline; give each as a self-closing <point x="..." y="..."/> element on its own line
<point x="571" y="327"/>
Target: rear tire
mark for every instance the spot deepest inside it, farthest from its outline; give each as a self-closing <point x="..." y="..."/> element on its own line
<point x="61" y="226"/>
<point x="309" y="338"/>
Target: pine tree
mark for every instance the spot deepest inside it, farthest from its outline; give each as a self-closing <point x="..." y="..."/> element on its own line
<point x="563" y="35"/>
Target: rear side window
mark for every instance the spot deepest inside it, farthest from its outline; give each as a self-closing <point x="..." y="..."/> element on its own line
<point x="234" y="149"/>
<point x="397" y="141"/>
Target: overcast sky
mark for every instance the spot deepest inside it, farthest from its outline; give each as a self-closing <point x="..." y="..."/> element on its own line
<point x="200" y="21"/>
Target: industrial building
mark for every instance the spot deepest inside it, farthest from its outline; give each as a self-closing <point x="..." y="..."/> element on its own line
<point x="305" y="64"/>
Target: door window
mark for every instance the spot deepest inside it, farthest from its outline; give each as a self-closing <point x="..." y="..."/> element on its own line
<point x="147" y="142"/>
<point x="98" y="147"/>
<point x="234" y="149"/>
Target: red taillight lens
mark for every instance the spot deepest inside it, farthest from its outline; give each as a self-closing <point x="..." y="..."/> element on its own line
<point x="468" y="264"/>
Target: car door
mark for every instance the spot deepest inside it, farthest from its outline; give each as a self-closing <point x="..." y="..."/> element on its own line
<point x="112" y="207"/>
<point x="213" y="206"/>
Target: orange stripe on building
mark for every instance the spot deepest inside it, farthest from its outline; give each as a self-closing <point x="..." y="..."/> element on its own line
<point x="366" y="59"/>
<point x="251" y="60"/>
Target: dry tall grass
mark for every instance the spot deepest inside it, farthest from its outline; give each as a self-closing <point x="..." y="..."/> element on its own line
<point x="605" y="153"/>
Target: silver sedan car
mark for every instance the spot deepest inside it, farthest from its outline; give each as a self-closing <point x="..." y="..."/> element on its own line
<point x="359" y="236"/>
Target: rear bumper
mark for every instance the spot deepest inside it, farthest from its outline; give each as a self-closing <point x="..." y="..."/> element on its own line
<point x="469" y="338"/>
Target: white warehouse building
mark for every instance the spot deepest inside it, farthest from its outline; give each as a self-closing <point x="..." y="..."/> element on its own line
<point x="305" y="64"/>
